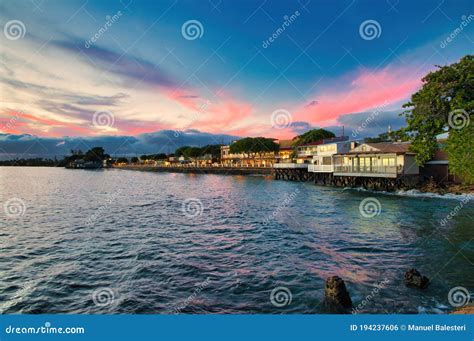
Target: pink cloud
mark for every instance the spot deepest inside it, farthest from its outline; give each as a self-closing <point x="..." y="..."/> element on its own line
<point x="216" y="116"/>
<point x="365" y="90"/>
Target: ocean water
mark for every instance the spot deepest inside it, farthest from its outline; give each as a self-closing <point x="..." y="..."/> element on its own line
<point x="116" y="241"/>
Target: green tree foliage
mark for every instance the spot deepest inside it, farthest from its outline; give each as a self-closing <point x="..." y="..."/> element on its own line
<point x="156" y="157"/>
<point x="194" y="152"/>
<point x="312" y="136"/>
<point x="134" y="160"/>
<point x="460" y="149"/>
<point x="396" y="135"/>
<point x="33" y="162"/>
<point x="96" y="154"/>
<point x="122" y="160"/>
<point x="445" y="100"/>
<point x="254" y="145"/>
<point x="180" y="151"/>
<point x="213" y="149"/>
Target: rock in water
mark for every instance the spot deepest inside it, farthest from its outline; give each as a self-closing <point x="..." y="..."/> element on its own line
<point x="415" y="280"/>
<point x="336" y="296"/>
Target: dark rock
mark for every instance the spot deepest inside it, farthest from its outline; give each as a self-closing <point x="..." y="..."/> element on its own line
<point x="336" y="296"/>
<point x="414" y="279"/>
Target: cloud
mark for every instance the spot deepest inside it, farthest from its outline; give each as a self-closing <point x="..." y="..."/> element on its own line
<point x="371" y="123"/>
<point x="360" y="91"/>
<point x="300" y="127"/>
<point x="127" y="67"/>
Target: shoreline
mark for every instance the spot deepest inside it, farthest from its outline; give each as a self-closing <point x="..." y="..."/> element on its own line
<point x="202" y="170"/>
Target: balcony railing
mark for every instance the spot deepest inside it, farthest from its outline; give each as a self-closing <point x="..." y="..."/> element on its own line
<point x="321" y="168"/>
<point x="290" y="165"/>
<point x="306" y="152"/>
<point x="368" y="170"/>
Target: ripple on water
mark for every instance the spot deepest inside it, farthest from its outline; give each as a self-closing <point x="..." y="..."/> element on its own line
<point x="248" y="241"/>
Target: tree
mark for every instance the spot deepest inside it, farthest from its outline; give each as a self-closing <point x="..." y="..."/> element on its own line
<point x="312" y="136"/>
<point x="134" y="160"/>
<point x="445" y="103"/>
<point x="96" y="154"/>
<point x="213" y="149"/>
<point x="396" y="135"/>
<point x="160" y="156"/>
<point x="180" y="151"/>
<point x="254" y="145"/>
<point x="122" y="160"/>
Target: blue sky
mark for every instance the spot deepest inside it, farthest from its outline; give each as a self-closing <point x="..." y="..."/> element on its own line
<point x="142" y="75"/>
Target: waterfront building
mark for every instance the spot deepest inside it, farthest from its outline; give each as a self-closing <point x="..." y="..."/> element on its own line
<point x="383" y="160"/>
<point x="323" y="160"/>
<point x="285" y="152"/>
<point x="205" y="160"/>
<point x="171" y="161"/>
<point x="305" y="153"/>
<point x="437" y="169"/>
<point x="254" y="160"/>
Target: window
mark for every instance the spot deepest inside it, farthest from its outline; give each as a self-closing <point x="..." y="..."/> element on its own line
<point x="388" y="161"/>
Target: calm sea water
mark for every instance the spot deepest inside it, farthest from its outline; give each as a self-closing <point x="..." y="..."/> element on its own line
<point x="115" y="241"/>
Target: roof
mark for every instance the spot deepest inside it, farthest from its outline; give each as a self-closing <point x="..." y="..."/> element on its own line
<point x="327" y="141"/>
<point x="391" y="147"/>
<point x="385" y="147"/>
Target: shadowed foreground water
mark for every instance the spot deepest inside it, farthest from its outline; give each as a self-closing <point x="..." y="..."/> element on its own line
<point x="123" y="234"/>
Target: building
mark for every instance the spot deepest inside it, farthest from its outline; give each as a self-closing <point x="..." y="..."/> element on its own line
<point x="384" y="159"/>
<point x="286" y="152"/>
<point x="323" y="161"/>
<point x="254" y="160"/>
<point x="437" y="169"/>
<point x="305" y="153"/>
<point x="205" y="160"/>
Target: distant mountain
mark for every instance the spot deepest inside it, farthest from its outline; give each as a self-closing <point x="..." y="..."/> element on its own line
<point x="164" y="141"/>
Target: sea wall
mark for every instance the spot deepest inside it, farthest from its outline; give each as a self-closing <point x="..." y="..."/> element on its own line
<point x="200" y="170"/>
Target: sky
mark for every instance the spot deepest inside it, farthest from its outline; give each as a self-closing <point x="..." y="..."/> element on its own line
<point x="142" y="76"/>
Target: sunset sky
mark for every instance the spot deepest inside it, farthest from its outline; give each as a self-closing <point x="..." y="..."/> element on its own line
<point x="146" y="76"/>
